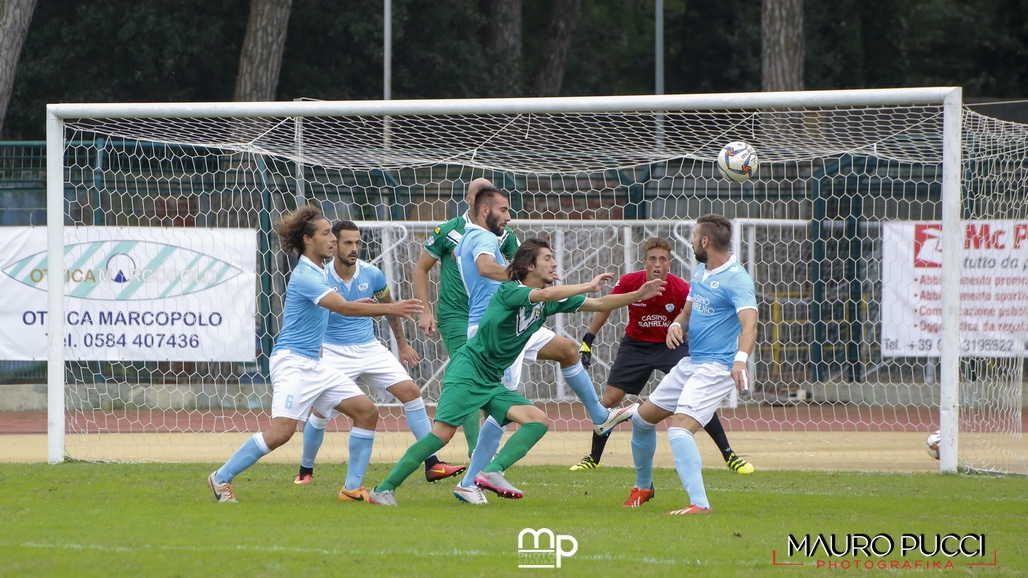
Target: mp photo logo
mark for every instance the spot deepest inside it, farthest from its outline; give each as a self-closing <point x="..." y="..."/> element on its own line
<point x="543" y="549"/>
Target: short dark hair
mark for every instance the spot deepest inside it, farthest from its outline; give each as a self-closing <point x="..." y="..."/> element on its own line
<point x="717" y="228"/>
<point x="525" y="257"/>
<point x="485" y="196"/>
<point x="344" y="226"/>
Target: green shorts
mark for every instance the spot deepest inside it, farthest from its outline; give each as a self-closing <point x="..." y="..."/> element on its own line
<point x="454" y="332"/>
<point x="465" y="392"/>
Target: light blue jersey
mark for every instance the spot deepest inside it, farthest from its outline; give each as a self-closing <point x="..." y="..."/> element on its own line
<point x="477" y="241"/>
<point x="368" y="281"/>
<point x="303" y="320"/>
<point x="717" y="297"/>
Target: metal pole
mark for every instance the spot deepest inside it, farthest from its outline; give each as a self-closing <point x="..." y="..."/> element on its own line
<point x="658" y="66"/>
<point x="952" y="237"/>
<point x="658" y="61"/>
<point x="55" y="382"/>
<point x="387" y="50"/>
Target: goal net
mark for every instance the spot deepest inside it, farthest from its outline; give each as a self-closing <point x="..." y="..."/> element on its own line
<point x="886" y="231"/>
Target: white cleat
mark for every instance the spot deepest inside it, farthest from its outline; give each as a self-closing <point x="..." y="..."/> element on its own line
<point x="472" y="495"/>
<point x="615" y="417"/>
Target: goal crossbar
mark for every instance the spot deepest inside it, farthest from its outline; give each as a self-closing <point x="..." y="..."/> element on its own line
<point x="584" y="104"/>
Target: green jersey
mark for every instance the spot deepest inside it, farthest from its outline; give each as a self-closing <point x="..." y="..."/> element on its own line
<point x="452" y="311"/>
<point x="508" y="323"/>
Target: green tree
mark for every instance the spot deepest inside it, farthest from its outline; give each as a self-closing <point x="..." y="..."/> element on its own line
<point x="712" y="49"/>
<point x="124" y="51"/>
<point x="856" y="44"/>
<point x="611" y="51"/>
<point x="335" y="49"/>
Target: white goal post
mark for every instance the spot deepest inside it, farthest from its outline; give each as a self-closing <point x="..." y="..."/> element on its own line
<point x="862" y="351"/>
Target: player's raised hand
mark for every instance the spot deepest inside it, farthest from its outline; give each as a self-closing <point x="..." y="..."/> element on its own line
<point x="600" y="281"/>
<point x="427" y="322"/>
<point x="408" y="308"/>
<point x="650" y="289"/>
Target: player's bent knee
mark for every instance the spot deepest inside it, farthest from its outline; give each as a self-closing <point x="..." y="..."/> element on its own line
<point x="443" y="431"/>
<point x="612" y="396"/>
<point x="528" y="414"/>
<point x="404" y="391"/>
<point x="560" y="349"/>
<point x="361" y="410"/>
<point x="276" y="436"/>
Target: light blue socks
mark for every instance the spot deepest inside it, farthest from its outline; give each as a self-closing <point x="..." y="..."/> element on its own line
<point x="688" y="464"/>
<point x="644" y="445"/>
<point x="313" y="437"/>
<point x="489" y="438"/>
<point x="247" y="455"/>
<point x="361" y="442"/>
<point x="579" y="381"/>
<point x="417" y="418"/>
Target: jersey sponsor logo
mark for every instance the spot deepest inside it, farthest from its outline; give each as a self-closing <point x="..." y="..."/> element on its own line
<point x="669" y="307"/>
<point x="714" y="284"/>
<point x="362" y="287"/>
<point x="527" y="316"/>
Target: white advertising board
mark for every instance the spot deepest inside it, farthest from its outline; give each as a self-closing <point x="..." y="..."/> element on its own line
<point x="993" y="289"/>
<point x="133" y="294"/>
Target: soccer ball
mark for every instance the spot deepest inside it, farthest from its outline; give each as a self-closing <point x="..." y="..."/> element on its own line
<point x="931" y="444"/>
<point x="737" y="162"/>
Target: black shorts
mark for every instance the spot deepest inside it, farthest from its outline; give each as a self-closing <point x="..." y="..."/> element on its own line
<point x="636" y="361"/>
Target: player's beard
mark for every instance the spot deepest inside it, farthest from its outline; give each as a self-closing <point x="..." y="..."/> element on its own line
<point x="492" y="223"/>
<point x="700" y="254"/>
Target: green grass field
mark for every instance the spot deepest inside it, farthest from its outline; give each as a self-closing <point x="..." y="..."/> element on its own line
<point x="82" y="519"/>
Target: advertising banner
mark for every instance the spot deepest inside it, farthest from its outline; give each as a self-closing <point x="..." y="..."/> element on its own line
<point x="993" y="289"/>
<point x="132" y="294"/>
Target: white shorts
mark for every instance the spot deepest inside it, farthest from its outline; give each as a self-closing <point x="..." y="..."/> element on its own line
<point x="301" y="384"/>
<point x="512" y="376"/>
<point x="695" y="390"/>
<point x="370" y="364"/>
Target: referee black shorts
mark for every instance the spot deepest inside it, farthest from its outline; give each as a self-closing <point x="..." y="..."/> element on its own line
<point x="636" y="361"/>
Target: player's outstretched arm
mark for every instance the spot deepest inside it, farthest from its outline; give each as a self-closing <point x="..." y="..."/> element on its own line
<point x="335" y="302"/>
<point x="421" y="270"/>
<point x="648" y="290"/>
<point x="559" y="292"/>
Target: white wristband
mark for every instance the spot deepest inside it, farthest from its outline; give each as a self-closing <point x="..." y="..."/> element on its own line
<point x="675" y="324"/>
<point x="741" y="356"/>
